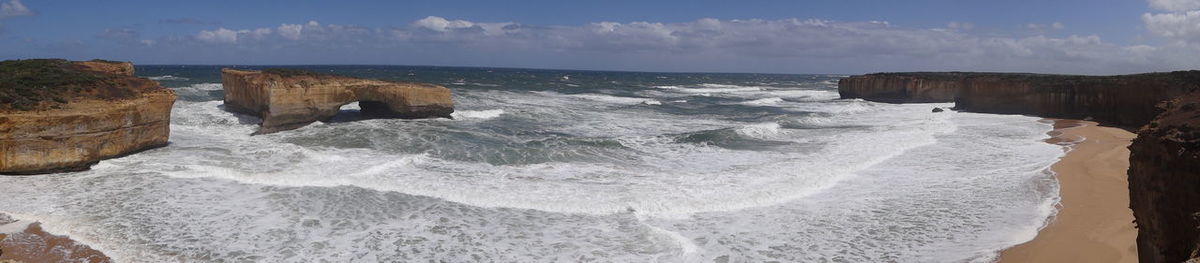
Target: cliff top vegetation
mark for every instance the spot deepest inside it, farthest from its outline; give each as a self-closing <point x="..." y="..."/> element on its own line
<point x="34" y="84"/>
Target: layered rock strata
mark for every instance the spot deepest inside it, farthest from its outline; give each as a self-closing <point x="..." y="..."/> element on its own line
<point x="102" y="112"/>
<point x="289" y="99"/>
<point x="901" y="87"/>
<point x="1125" y="101"/>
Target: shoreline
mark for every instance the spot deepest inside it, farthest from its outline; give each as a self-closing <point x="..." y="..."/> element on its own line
<point x="1094" y="222"/>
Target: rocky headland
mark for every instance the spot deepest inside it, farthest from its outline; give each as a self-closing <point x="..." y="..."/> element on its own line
<point x="1164" y="170"/>
<point x="58" y="115"/>
<point x="287" y="99"/>
<point x="1126" y="101"/>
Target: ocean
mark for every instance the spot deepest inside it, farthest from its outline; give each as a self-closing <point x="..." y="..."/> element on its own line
<point x="565" y="166"/>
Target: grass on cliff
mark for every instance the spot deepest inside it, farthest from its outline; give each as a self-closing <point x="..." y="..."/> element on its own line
<point x="40" y="83"/>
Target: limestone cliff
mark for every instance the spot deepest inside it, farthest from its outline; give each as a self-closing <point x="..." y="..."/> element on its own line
<point x="289" y="99"/>
<point x="57" y="115"/>
<point x="1124" y="101"/>
<point x="901" y="87"/>
<point x="1164" y="183"/>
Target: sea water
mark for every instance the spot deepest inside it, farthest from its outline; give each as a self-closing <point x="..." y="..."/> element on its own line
<point x="564" y="166"/>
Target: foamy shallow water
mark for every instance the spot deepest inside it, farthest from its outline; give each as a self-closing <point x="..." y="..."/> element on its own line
<point x="686" y="173"/>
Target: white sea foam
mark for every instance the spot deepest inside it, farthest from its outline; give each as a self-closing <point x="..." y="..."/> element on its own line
<point x="904" y="185"/>
<point x="719" y="88"/>
<point x="199" y="90"/>
<point x="761" y="130"/>
<point x="611" y="99"/>
<point x="477" y="114"/>
<point x="167" y="77"/>
<point x="764" y="102"/>
<point x="14" y="227"/>
<point x="558" y="191"/>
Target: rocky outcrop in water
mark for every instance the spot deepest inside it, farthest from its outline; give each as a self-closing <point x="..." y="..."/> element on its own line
<point x="1124" y="101"/>
<point x="28" y="242"/>
<point x="58" y="115"/>
<point x="1164" y="183"/>
<point x="289" y="99"/>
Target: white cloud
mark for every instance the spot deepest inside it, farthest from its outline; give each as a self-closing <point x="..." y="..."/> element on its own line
<point x="1175" y="5"/>
<point x="290" y="31"/>
<point x="868" y="45"/>
<point x="13" y="8"/>
<point x="227" y="36"/>
<point x="1181" y="24"/>
<point x="441" y="24"/>
<point x="221" y="35"/>
<point x="1183" y="27"/>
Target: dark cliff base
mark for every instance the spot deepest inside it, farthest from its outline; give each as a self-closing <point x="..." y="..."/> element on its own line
<point x="1163" y="108"/>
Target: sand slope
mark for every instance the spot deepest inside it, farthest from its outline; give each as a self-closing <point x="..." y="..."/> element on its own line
<point x="1094" y="223"/>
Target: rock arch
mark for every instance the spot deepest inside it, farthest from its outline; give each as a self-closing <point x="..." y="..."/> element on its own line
<point x="290" y="99"/>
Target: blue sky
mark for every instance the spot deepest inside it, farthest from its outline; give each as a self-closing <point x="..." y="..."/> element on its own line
<point x="849" y="36"/>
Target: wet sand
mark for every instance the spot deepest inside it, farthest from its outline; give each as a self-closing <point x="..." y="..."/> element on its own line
<point x="1094" y="223"/>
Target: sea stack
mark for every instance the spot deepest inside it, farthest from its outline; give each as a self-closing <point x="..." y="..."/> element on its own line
<point x="1164" y="183"/>
<point x="287" y="99"/>
<point x="58" y="115"/>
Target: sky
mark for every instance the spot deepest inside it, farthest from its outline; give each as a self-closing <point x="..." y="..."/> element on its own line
<point x="761" y="36"/>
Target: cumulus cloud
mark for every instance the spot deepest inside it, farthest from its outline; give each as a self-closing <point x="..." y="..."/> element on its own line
<point x="441" y="24"/>
<point x="1181" y="24"/>
<point x="227" y="36"/>
<point x="13" y="8"/>
<point x="1175" y="5"/>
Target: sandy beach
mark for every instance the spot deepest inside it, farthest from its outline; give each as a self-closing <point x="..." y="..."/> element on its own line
<point x="1094" y="223"/>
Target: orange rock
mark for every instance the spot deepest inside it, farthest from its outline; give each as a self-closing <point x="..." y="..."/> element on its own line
<point x="89" y="128"/>
<point x="293" y="101"/>
<point x="35" y="245"/>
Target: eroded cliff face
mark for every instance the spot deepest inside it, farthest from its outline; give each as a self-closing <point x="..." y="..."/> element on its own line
<point x="286" y="102"/>
<point x="900" y="88"/>
<point x="1164" y="183"/>
<point x="1124" y="101"/>
<point x="120" y="115"/>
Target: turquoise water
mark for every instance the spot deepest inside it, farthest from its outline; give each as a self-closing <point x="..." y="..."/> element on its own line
<point x="554" y="166"/>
